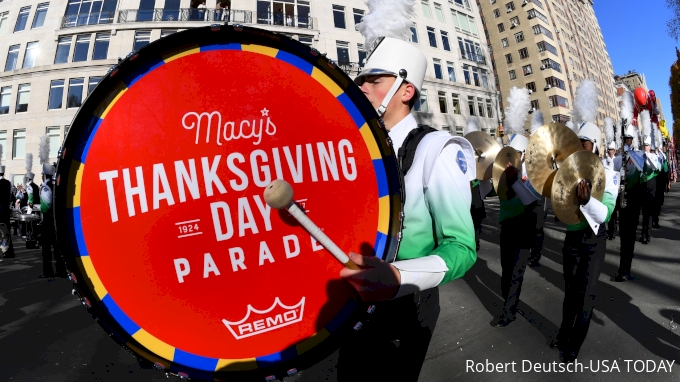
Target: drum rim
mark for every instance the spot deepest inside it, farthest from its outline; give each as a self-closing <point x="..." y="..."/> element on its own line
<point x="70" y="166"/>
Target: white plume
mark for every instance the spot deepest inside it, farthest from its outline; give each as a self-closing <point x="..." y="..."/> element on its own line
<point x="619" y="134"/>
<point x="472" y="125"/>
<point x="636" y="140"/>
<point x="536" y="121"/>
<point x="44" y="149"/>
<point x="572" y="126"/>
<point x="656" y="136"/>
<point x="609" y="130"/>
<point x="586" y="101"/>
<point x="627" y="107"/>
<point x="645" y="123"/>
<point x="517" y="110"/>
<point x="2" y="148"/>
<point x="11" y="179"/>
<point x="387" y="18"/>
<point x="29" y="162"/>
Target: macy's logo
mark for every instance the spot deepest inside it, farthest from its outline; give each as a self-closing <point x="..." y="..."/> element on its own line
<point x="266" y="320"/>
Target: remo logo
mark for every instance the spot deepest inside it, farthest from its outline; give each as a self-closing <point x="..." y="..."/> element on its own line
<point x="172" y="213"/>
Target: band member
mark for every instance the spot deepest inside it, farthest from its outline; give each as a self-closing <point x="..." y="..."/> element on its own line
<point x="612" y="162"/>
<point x="48" y="239"/>
<point x="479" y="190"/>
<point x="438" y="242"/>
<point x="32" y="189"/>
<point x="648" y="180"/>
<point x="541" y="207"/>
<point x="5" y="212"/>
<point x="661" y="184"/>
<point x="584" y="250"/>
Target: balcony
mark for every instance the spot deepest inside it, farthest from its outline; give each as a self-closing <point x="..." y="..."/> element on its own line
<point x="294" y="21"/>
<point x="478" y="58"/>
<point x="351" y="68"/>
<point x="95" y="18"/>
<point x="184" y="14"/>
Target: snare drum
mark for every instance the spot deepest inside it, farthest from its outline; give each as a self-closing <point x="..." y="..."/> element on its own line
<point x="159" y="206"/>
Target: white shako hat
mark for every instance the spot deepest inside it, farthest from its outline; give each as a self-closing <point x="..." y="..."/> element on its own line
<point x="590" y="132"/>
<point x="387" y="28"/>
<point x="647" y="141"/>
<point x="612" y="146"/>
<point x="518" y="142"/>
<point x="630" y="131"/>
<point x="29" y="168"/>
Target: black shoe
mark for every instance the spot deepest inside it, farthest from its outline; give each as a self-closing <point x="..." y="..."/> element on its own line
<point x="502" y="321"/>
<point x="629" y="277"/>
<point x="567" y="356"/>
<point x="534" y="264"/>
<point x="643" y="239"/>
<point x="618" y="278"/>
<point x="44" y="276"/>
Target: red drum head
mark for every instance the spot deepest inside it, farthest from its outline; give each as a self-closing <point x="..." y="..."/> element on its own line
<point x="159" y="201"/>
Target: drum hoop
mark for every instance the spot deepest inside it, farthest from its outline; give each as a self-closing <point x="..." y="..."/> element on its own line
<point x="89" y="117"/>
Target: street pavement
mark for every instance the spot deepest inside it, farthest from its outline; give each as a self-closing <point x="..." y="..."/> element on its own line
<point x="47" y="335"/>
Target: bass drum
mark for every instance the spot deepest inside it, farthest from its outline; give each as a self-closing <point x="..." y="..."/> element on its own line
<point x="160" y="213"/>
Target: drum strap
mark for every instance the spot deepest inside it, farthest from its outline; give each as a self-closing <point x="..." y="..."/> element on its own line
<point x="407" y="151"/>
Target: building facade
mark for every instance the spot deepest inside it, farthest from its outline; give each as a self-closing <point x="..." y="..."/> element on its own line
<point x="53" y="53"/>
<point x="633" y="80"/>
<point x="549" y="47"/>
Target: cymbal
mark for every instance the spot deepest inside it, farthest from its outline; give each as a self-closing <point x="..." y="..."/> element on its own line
<point x="579" y="165"/>
<point x="505" y="155"/>
<point x="486" y="149"/>
<point x="547" y="149"/>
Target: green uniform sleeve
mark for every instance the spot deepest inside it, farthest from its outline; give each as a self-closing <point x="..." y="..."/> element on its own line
<point x="609" y="200"/>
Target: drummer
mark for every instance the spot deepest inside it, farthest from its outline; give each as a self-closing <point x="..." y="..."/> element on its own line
<point x="583" y="253"/>
<point x="48" y="237"/>
<point x="438" y="243"/>
<point x="5" y="212"/>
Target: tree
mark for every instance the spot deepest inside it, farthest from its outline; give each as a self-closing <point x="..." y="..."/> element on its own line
<point x="674" y="83"/>
<point x="673" y="24"/>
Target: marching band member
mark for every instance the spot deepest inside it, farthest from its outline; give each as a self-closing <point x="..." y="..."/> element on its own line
<point x="48" y="235"/>
<point x="584" y="250"/>
<point x="5" y="213"/>
<point x="648" y="177"/>
<point x="611" y="162"/>
<point x="479" y="189"/>
<point x="438" y="239"/>
<point x="516" y="216"/>
<point x="661" y="184"/>
<point x="32" y="189"/>
<point x="541" y="208"/>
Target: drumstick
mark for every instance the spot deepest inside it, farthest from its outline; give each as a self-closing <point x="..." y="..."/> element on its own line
<point x="279" y="195"/>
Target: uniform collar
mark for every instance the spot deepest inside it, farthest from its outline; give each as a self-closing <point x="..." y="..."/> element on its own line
<point x="399" y="132"/>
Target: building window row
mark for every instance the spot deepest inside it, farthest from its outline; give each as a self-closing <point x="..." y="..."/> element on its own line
<point x="480" y="108"/>
<point x="532" y="13"/>
<point x="540" y="29"/>
<point x="543" y="46"/>
<point x="19" y="145"/>
<point x="23" y="95"/>
<point x="23" y="17"/>
<point x="75" y="97"/>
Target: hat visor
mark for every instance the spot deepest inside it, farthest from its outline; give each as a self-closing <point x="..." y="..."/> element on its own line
<point x="372" y="72"/>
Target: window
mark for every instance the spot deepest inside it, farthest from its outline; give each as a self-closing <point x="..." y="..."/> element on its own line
<point x="514" y="22"/>
<point x="485" y="79"/>
<point x="466" y="74"/>
<point x="3" y="143"/>
<point x="19" y="144"/>
<point x="92" y="84"/>
<point x="56" y="95"/>
<point x="508" y="58"/>
<point x="501" y="28"/>
<point x="534" y="104"/>
<point x="426" y="9"/>
<point x="438" y="12"/>
<point x="53" y="133"/>
<point x="475" y="75"/>
<point x="446" y="128"/>
<point x="445" y="40"/>
<point x="555" y="82"/>
<point x="32" y="50"/>
<point x="63" y="49"/>
<point x="527" y="70"/>
<point x="437" y="68"/>
<point x="362" y="55"/>
<point x="531" y="86"/>
<point x="534" y="13"/>
<point x="489" y="109"/>
<point x="471" y="106"/>
<point x="509" y="7"/>
<point x="5" y="94"/>
<point x="523" y="53"/>
<point x="559" y="118"/>
<point x="451" y="71"/>
<point x="22" y="98"/>
<point x="22" y="19"/>
<point x="75" y="92"/>
<point x="433" y="38"/>
<point x="540" y="29"/>
<point x="456" y="103"/>
<point x="142" y="39"/>
<point x="82" y="46"/>
<point x="496" y="13"/>
<point x="414" y="34"/>
<point x="459" y="131"/>
<point x="442" y="102"/>
<point x="101" y="46"/>
<point x="87" y="12"/>
<point x="39" y="18"/>
<point x="342" y="49"/>
<point x="556" y="101"/>
<point x="512" y="74"/>
<point x="480" y="107"/>
<point x="358" y="15"/>
<point x="12" y="56"/>
<point x="3" y="22"/>
<point x="519" y="37"/>
<point x="543" y="46"/>
<point x="167" y="32"/>
<point x="505" y="43"/>
<point x="339" y="16"/>
<point x="421" y="105"/>
<point x="551" y="64"/>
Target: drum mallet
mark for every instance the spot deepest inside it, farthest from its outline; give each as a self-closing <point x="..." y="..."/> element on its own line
<point x="279" y="195"/>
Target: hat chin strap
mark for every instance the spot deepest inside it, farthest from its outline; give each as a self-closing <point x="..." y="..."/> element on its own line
<point x="393" y="90"/>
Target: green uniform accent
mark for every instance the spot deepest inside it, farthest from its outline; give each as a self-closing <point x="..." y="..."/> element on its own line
<point x="608" y="200"/>
<point x="474" y="183"/>
<point x="664" y="166"/>
<point x="647" y="174"/>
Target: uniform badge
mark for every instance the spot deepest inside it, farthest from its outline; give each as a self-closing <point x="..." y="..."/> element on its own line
<point x="616" y="180"/>
<point x="462" y="163"/>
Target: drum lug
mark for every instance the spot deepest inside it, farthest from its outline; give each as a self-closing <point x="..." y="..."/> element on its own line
<point x="292" y="372"/>
<point x="270" y="378"/>
<point x="215" y="27"/>
<point x="86" y="302"/>
<point x="399" y="236"/>
<point x="159" y="366"/>
<point x="73" y="291"/>
<point x="183" y="375"/>
<point x="315" y="52"/>
<point x="238" y="27"/>
<point x="401" y="216"/>
<point x="371" y="309"/>
<point x="358" y="326"/>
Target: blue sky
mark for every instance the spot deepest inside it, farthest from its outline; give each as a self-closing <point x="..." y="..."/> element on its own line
<point x="636" y="38"/>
